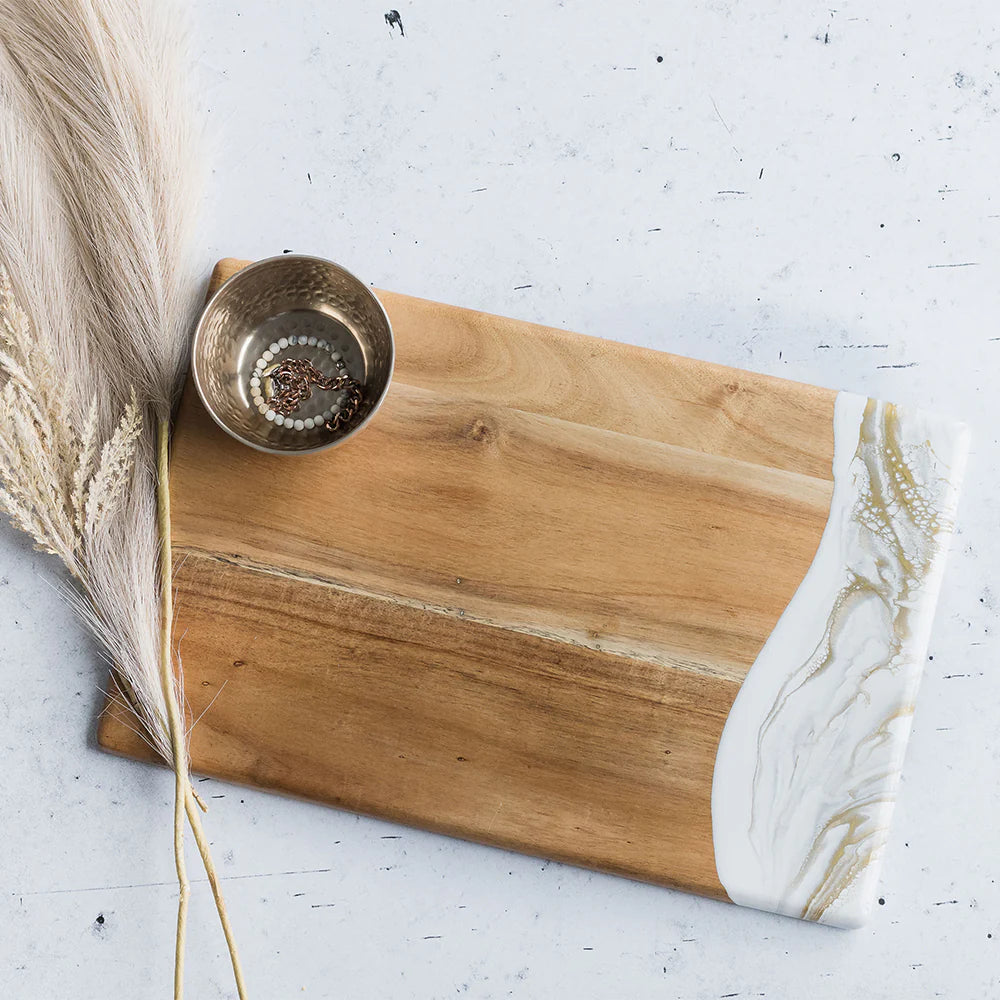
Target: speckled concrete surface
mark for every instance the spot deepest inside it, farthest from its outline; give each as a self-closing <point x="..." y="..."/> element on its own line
<point x="794" y="189"/>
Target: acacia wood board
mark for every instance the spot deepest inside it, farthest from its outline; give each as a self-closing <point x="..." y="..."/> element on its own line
<point x="518" y="607"/>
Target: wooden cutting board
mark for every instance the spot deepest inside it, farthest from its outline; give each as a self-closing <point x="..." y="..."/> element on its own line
<point x="519" y="607"/>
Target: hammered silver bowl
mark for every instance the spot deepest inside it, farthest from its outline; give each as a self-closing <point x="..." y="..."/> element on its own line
<point x="316" y="310"/>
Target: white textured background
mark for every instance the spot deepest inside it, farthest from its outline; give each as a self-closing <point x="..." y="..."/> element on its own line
<point x="794" y="189"/>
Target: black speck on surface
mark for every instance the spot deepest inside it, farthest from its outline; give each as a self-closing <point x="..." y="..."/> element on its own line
<point x="393" y="19"/>
<point x="895" y="157"/>
<point x="881" y="901"/>
<point x="286" y="251"/>
<point x="100" y="919"/>
<point x="659" y="58"/>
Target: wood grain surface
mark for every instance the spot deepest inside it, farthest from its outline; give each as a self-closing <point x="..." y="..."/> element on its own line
<point x="518" y="607"/>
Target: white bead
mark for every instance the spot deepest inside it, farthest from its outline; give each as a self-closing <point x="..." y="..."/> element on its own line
<point x="321" y="344"/>
<point x="309" y="423"/>
<point x="311" y="341"/>
<point x="271" y="415"/>
<point x="261" y="364"/>
<point x="292" y="340"/>
<point x="274" y="348"/>
<point x="283" y="343"/>
<point x="255" y="380"/>
<point x="279" y="420"/>
<point x="262" y="407"/>
<point x="268" y="355"/>
<point x="299" y="425"/>
<point x="335" y="355"/>
<point x="328" y="414"/>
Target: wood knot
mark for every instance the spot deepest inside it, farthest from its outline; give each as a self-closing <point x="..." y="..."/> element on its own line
<point x="732" y="387"/>
<point x="481" y="431"/>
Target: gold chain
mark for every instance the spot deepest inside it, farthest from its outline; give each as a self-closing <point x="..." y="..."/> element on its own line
<point x="293" y="382"/>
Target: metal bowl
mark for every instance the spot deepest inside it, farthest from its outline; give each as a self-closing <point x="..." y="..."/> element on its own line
<point x="317" y="311"/>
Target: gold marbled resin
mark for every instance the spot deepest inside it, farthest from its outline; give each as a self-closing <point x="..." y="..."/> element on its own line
<point x="809" y="761"/>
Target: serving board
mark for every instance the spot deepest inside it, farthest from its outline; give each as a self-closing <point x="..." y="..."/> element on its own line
<point x="521" y="605"/>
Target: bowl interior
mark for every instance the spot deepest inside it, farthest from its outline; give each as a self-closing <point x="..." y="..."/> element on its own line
<point x="311" y="309"/>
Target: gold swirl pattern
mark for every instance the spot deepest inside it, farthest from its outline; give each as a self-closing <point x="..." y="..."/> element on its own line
<point x="809" y="761"/>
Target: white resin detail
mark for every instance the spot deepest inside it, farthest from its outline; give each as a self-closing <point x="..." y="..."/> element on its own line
<point x="809" y="760"/>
